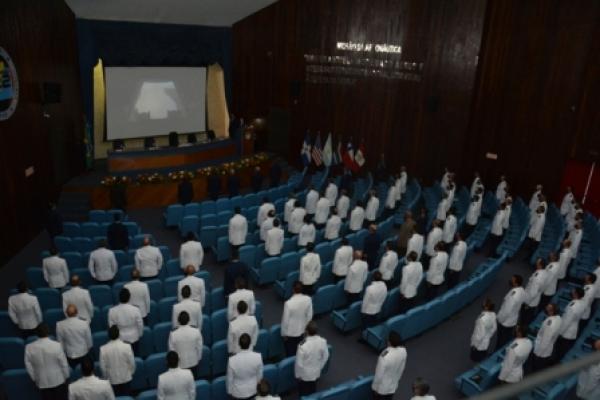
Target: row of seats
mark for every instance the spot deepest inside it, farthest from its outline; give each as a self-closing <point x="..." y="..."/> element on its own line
<point x="356" y="389"/>
<point x="103" y="216"/>
<point x="95" y="229"/>
<point x="517" y="231"/>
<point x="555" y="229"/>
<point x="589" y="248"/>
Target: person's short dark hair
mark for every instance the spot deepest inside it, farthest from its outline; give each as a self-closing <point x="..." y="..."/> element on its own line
<point x="235" y="253"/>
<point x="241" y="283"/>
<point x="42" y="330"/>
<point x="360" y="203"/>
<point x="592" y="278"/>
<point x="518" y="280"/>
<point x="276" y="222"/>
<point x="172" y="359"/>
<point x="22" y="287"/>
<point x="87" y="367"/>
<point x="190" y="236"/>
<point x="439" y="246"/>
<point x="297" y="204"/>
<point x="389" y="245"/>
<point x="452" y="211"/>
<point x="580" y="292"/>
<point x="242" y="307"/>
<point x="113" y="332"/>
<point x="237" y="210"/>
<point x="244" y="341"/>
<point x="307" y="219"/>
<point x="297" y="287"/>
<point x="310" y="246"/>
<point x="420" y="387"/>
<point x="102" y="243"/>
<point x="312" y="328"/>
<point x="265" y="199"/>
<point x="53" y="251"/>
<point x="521" y="330"/>
<point x="124" y="295"/>
<point x="345" y="241"/>
<point x="394" y="339"/>
<point x="377" y="276"/>
<point x="186" y="292"/>
<point x="263" y="388"/>
<point x="183" y="318"/>
<point x="412" y="256"/>
<point x="489" y="305"/>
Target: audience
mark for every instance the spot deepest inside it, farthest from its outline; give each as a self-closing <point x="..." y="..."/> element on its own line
<point x="90" y="387"/>
<point x="240" y="325"/>
<point x="117" y="362"/>
<point x="238" y="228"/>
<point x="148" y="259"/>
<point x="242" y="293"/>
<point x="244" y="370"/>
<point x="196" y="285"/>
<point x="56" y="272"/>
<point x="193" y="309"/>
<point x="311" y="357"/>
<point x="297" y="312"/>
<point x="75" y="336"/>
<point x="190" y="253"/>
<point x="389" y="369"/>
<point x="176" y="383"/>
<point x="139" y="293"/>
<point x="24" y="310"/>
<point x="80" y="298"/>
<point x="127" y="318"/>
<point x="103" y="264"/>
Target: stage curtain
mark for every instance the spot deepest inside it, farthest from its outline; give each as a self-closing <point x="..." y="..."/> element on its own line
<point x="216" y="103"/>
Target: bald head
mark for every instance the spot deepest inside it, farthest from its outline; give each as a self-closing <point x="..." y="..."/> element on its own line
<point x="71" y="310"/>
<point x="358" y="255"/>
<point x="75" y="281"/>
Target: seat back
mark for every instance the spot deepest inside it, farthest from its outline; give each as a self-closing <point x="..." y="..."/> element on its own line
<point x="17" y="384"/>
<point x="160" y="335"/>
<point x="101" y="295"/>
<point x="12" y="353"/>
<point x="154" y="365"/>
<point x="48" y="298"/>
<point x="219" y="357"/>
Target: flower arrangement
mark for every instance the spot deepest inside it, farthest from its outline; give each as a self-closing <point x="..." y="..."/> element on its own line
<point x="181" y="175"/>
<point x="110" y="181"/>
<point x="150" y="178"/>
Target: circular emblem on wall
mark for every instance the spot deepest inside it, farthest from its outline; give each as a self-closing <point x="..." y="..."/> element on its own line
<point x="9" y="86"/>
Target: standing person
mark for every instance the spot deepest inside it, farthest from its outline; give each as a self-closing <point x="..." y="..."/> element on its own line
<point x="196" y="284"/>
<point x="308" y="233"/>
<point x="388" y="264"/>
<point x="56" y="272"/>
<point x="310" y="269"/>
<point x="485" y="328"/>
<point x="390" y="368"/>
<point x="477" y="185"/>
<point x="322" y="211"/>
<point x="536" y="229"/>
<point x="103" y="264"/>
<point x="457" y="261"/>
<point x="497" y="231"/>
<point x="234" y="270"/>
<point x="343" y="204"/>
<point x="80" y="298"/>
<point x="342" y="260"/>
<point x="421" y="390"/>
<point x="567" y="202"/>
<point x="564" y="259"/>
<point x="575" y="237"/>
<point x="289" y="207"/>
<point x="127" y="318"/>
<point x="117" y="363"/>
<point x="148" y="259"/>
<point x="274" y="239"/>
<point x="117" y="234"/>
<point x="516" y="355"/>
<point x="311" y="201"/>
<point x="356" y="277"/>
<point x="508" y="315"/>
<point x="90" y="387"/>
<point x="406" y="230"/>
<point x="139" y="293"/>
<point x="570" y="323"/>
<point x="473" y="214"/>
<point x="297" y="313"/>
<point x="415" y="243"/>
<point x="176" y="383"/>
<point x="242" y="293"/>
<point x="263" y="211"/>
<point x="244" y="371"/>
<point x="357" y="217"/>
<point x="533" y="290"/>
<point x="243" y="324"/>
<point x="375" y="295"/>
<point x="192" y="307"/>
<point x="187" y="342"/>
<point x="238" y="228"/>
<point x="75" y="336"/>
<point x="390" y="201"/>
<point x="331" y="192"/>
<point x="311" y="357"/>
<point x="450" y="226"/>
<point x="434" y="237"/>
<point x="191" y="252"/>
<point x="552" y="270"/>
<point x="543" y="347"/>
<point x="263" y="390"/>
<point x="185" y="191"/>
<point x="589" y="288"/>
<point x="296" y="218"/>
<point x="412" y="274"/>
<point x="588" y="380"/>
<point x="24" y="310"/>
<point x="372" y="209"/>
<point x="436" y="271"/>
<point x="333" y="225"/>
<point x="267" y="225"/>
<point x="47" y="365"/>
<point x="371" y="246"/>
<point x="403" y="180"/>
<point x="501" y="189"/>
<point x="534" y="203"/>
<point x="442" y="208"/>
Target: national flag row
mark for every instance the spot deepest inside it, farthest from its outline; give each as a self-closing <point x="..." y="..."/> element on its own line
<point x="328" y="156"/>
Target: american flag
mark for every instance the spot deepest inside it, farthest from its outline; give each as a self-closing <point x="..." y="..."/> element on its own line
<point x="317" y="152"/>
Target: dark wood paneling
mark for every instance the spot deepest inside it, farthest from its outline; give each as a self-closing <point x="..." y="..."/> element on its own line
<point x="40" y="37"/>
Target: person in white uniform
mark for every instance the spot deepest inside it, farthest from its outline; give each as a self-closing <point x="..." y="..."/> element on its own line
<point x="75" y="335"/>
<point x="567" y="202"/>
<point x="103" y="264"/>
<point x="331" y="191"/>
<point x="289" y="207"/>
<point x="390" y="200"/>
<point x="333" y="225"/>
<point x="372" y="209"/>
<point x="55" y="270"/>
<point x="543" y="346"/>
<point x="343" y="204"/>
<point x="266" y="225"/>
<point x="570" y="323"/>
<point x="191" y="252"/>
<point x="588" y="380"/>
<point x="196" y="285"/>
<point x="263" y="391"/>
<point x="485" y="328"/>
<point x="342" y="260"/>
<point x="436" y="272"/>
<point x="457" y="260"/>
<point x="311" y="357"/>
<point x="390" y="368"/>
<point x="375" y="295"/>
<point x="357" y="217"/>
<point x="534" y="203"/>
<point x="297" y="312"/>
<point x="536" y="229"/>
<point x="421" y="390"/>
<point x="564" y="259"/>
<point x="177" y="383"/>
<point x="433" y="238"/>
<point x="312" y="197"/>
<point x="415" y="243"/>
<point x="552" y="270"/>
<point x="516" y="355"/>
<point x="296" y="218"/>
<point x="477" y="185"/>
<point x="412" y="275"/>
<point x="244" y="371"/>
<point x="24" y="310"/>
<point x="192" y="307"/>
<point x="575" y="237"/>
<point x="47" y="366"/>
<point x="388" y="264"/>
<point x="473" y="213"/>
<point x="240" y="325"/>
<point x="80" y="298"/>
<point x="187" y="342"/>
<point x="507" y="213"/>
<point x="534" y="289"/>
<point x="403" y="180"/>
<point x="497" y="231"/>
<point x="89" y="386"/>
<point x="238" y="228"/>
<point x="310" y="269"/>
<point x="242" y="293"/>
<point x="117" y="362"/>
<point x="308" y="232"/>
<point x="501" y="189"/>
<point x="148" y="259"/>
<point x="442" y="208"/>
<point x="322" y="211"/>
<point x="508" y="315"/>
<point x="127" y="317"/>
<point x="139" y="293"/>
<point x="263" y="211"/>
<point x="274" y="239"/>
<point x="356" y="277"/>
<point x="589" y="297"/>
<point x="450" y="226"/>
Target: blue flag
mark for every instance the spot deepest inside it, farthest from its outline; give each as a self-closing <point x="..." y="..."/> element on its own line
<point x="305" y="151"/>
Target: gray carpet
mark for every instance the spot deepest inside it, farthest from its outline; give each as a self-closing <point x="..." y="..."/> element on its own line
<point x="438" y="355"/>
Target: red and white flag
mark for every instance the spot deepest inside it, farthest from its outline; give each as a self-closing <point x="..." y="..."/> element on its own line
<point x="360" y="155"/>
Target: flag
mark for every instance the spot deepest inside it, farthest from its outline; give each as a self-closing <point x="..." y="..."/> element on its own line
<point x="338" y="153"/>
<point x="327" y="152"/>
<point x="348" y="158"/>
<point x="305" y="151"/>
<point x="317" y="153"/>
<point x="360" y="155"/>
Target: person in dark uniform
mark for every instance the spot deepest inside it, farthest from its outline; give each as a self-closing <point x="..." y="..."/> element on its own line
<point x="233" y="183"/>
<point x="185" y="191"/>
<point x="117" y="234"/>
<point x="118" y="195"/>
<point x="347" y="181"/>
<point x="214" y="185"/>
<point x="236" y="269"/>
<point x="257" y="180"/>
<point x="275" y="174"/>
<point x="371" y="246"/>
<point x="54" y="222"/>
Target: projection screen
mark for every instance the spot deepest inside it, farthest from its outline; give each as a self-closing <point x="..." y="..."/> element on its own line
<point x="153" y="101"/>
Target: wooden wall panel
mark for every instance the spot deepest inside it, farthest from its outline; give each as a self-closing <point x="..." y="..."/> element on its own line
<point x="40" y="37"/>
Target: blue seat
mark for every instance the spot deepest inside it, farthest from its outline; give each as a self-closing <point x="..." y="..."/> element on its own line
<point x="223" y="204"/>
<point x="271" y="374"/>
<point x="323" y="299"/>
<point x="208" y="236"/>
<point x="124" y="273"/>
<point x="219" y="357"/>
<point x="223" y="249"/>
<point x="170" y="286"/>
<point x="339" y="392"/>
<point x="64" y="243"/>
<point x="132" y="228"/>
<point x="101" y="295"/>
<point x="349" y="319"/>
<point x="154" y="365"/>
<point x="99" y="323"/>
<point x="97" y="216"/>
<point x="74" y="259"/>
<point x="12" y="353"/>
<point x="205" y="363"/>
<point x="276" y="347"/>
<point x="173" y="215"/>
<point x="155" y="287"/>
<point x="223" y="217"/>
<point x="339" y="299"/>
<point x="17" y="384"/>
<point x="284" y="287"/>
<point x="139" y="381"/>
<point x="110" y="214"/>
<point x="98" y="339"/>
<point x="173" y="267"/>
<point x="247" y="254"/>
<point x="361" y="388"/>
<point x="148" y="394"/>
<point x="206" y="330"/>
<point x="289" y="262"/>
<point x="219" y="325"/>
<point x="166" y="253"/>
<point x="52" y="316"/>
<point x="325" y="252"/>
<point x="218" y="389"/>
<point x="71" y="229"/>
<point x="289" y="245"/>
<point x="48" y="298"/>
<point x="160" y="334"/>
<point x="146" y="343"/>
<point x="91" y="229"/>
<point x="153" y="316"/>
<point x="202" y="390"/>
<point x="208" y="220"/>
<point x="7" y="327"/>
<point x="267" y="272"/>
<point x="208" y="207"/>
<point x="165" y="308"/>
<point x="189" y="223"/>
<point x="286" y="380"/>
<point x="83" y="244"/>
<point x="262" y="344"/>
<point x="191" y="209"/>
<point x="222" y="230"/>
<point x="35" y="278"/>
<point x="122" y="258"/>
<point x="217" y="299"/>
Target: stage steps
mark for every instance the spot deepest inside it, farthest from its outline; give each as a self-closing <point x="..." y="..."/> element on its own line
<point x="74" y="206"/>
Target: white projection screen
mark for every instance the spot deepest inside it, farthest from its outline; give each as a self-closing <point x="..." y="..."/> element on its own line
<point x="153" y="101"/>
